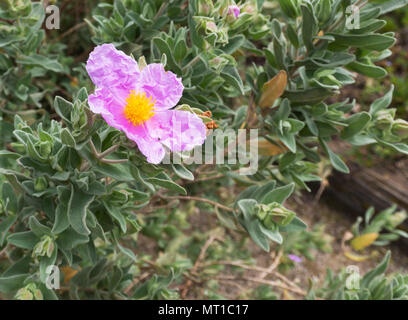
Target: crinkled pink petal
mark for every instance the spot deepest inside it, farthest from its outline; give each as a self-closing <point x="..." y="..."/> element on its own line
<point x="163" y="86"/>
<point x="109" y="67"/>
<point x="178" y="130"/>
<point x="149" y="146"/>
<point x="112" y="112"/>
<point x="110" y="107"/>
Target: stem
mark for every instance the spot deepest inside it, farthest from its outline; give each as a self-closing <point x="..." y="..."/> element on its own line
<point x="215" y="204"/>
<point x="191" y="63"/>
<point x="101" y="156"/>
<point x="114" y="160"/>
<point x="108" y="151"/>
<point x="160" y="12"/>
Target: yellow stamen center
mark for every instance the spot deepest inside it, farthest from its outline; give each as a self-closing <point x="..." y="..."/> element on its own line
<point x="139" y="108"/>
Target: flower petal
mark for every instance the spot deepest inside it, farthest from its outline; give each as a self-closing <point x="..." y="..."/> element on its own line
<point x="161" y="85"/>
<point x="109" y="67"/>
<point x="149" y="146"/>
<point x="178" y="130"/>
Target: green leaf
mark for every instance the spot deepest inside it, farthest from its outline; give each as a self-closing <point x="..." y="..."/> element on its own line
<point x="273" y="235"/>
<point x="231" y="76"/>
<point x="25" y="240"/>
<point x="254" y="229"/>
<point x="12" y="283"/>
<point x="377" y="271"/>
<point x="79" y="205"/>
<point x="38" y="228"/>
<point x="168" y="184"/>
<point x="65" y="196"/>
<point x="247" y="207"/>
<point x="117" y="171"/>
<point x="67" y="138"/>
<point x="41" y="61"/>
<point x="180" y="50"/>
<point x="390" y="5"/>
<point x="371" y="71"/>
<point x="164" y="48"/>
<point x="182" y="172"/>
<point x="309" y="25"/>
<point x="356" y="123"/>
<point x="311" y="96"/>
<point x="399" y="147"/>
<point x="335" y="160"/>
<point x="260" y="192"/>
<point x="289" y="8"/>
<point x="376" y="42"/>
<point x="69" y="239"/>
<point x="5" y="154"/>
<point x="382" y="103"/>
<point x="5" y="226"/>
<point x="279" y="194"/>
<point x="295" y="225"/>
<point x="234" y="44"/>
<point x="45" y="262"/>
<point x="63" y="108"/>
<point x="116" y="214"/>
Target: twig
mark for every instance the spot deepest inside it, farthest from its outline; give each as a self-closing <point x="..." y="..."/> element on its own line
<point x="135" y="282"/>
<point x="191" y="198"/>
<point x="263" y="281"/>
<point x="69" y="31"/>
<point x="113" y="160"/>
<point x="101" y="156"/>
<point x="160" y="12"/>
<point x="273" y="266"/>
<point x="200" y="257"/>
<point x="255" y="268"/>
<point x="191" y="63"/>
<point x="108" y="151"/>
<point x="3" y="252"/>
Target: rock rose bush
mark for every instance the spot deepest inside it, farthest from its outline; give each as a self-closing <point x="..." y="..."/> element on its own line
<point x="89" y="120"/>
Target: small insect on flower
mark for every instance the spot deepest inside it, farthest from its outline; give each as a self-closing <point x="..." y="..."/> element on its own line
<point x="139" y="102"/>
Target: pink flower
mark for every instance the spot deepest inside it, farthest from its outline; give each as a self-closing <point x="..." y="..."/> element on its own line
<point x="138" y="102"/>
<point x="295" y="258"/>
<point x="234" y="10"/>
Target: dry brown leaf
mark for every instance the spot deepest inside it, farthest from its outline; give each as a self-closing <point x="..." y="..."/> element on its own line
<point x="69" y="273"/>
<point x="356" y="257"/>
<point x="267" y="148"/>
<point x="363" y="241"/>
<point x="273" y="89"/>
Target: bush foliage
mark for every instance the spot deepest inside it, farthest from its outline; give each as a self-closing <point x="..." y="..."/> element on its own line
<point x="78" y="194"/>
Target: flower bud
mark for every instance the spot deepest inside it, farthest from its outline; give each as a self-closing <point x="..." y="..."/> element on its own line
<point x="249" y="8"/>
<point x="385" y="119"/>
<point x="45" y="148"/>
<point x="400" y="128"/>
<point x="205" y="7"/>
<point x="219" y="62"/>
<point x="211" y="27"/>
<point x="234" y="11"/>
<point x="397" y="218"/>
<point x="44" y="248"/>
<point x="18" y="147"/>
<point x="29" y="292"/>
<point x="40" y="184"/>
<point x="274" y="214"/>
<point x="24" y="294"/>
<point x="16" y="8"/>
